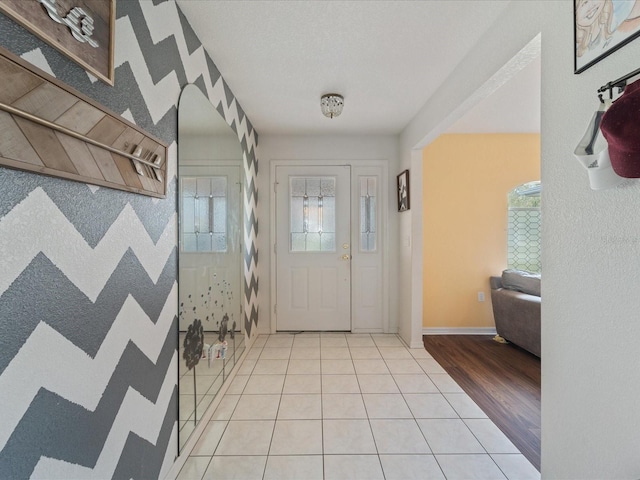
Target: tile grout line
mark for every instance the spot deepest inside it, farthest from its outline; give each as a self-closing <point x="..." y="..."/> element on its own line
<point x="365" y="406"/>
<point x="322" y="412"/>
<point x="369" y="419"/>
<point x="275" y="421"/>
<point x="413" y="416"/>
<point x="416" y="420"/>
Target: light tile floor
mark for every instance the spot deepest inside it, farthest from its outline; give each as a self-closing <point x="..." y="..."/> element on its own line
<point x="349" y="406"/>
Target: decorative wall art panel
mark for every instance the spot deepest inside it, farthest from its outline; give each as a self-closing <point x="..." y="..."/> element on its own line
<point x="48" y="128"/>
<point x="81" y="29"/>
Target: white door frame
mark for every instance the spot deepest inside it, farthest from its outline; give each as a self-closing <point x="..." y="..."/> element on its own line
<point x="384" y="232"/>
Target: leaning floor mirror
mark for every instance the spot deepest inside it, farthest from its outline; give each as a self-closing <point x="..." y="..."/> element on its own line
<point x="211" y="339"/>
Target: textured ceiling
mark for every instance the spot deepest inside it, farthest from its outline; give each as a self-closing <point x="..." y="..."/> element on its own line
<point x="386" y="57"/>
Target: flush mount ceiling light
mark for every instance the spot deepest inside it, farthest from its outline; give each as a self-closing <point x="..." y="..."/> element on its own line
<point x="331" y="104"/>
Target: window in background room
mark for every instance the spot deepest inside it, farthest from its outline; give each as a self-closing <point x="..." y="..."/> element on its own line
<point x="523" y="230"/>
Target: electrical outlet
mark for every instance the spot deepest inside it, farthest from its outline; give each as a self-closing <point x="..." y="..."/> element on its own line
<point x="481" y="296"/>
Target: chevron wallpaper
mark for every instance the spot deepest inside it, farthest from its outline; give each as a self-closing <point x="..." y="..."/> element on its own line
<point x="88" y="287"/>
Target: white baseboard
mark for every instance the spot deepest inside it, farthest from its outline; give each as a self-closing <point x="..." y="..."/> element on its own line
<point x="459" y="331"/>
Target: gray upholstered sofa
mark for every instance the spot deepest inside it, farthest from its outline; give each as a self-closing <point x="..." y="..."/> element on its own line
<point x="515" y="297"/>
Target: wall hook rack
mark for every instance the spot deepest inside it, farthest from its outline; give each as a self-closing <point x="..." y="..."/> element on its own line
<point x="620" y="83"/>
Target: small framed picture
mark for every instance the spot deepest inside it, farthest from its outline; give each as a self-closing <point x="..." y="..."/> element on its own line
<point x="601" y="27"/>
<point x="403" y="191"/>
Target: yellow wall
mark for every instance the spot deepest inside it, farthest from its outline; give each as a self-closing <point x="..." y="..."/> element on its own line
<point x="466" y="178"/>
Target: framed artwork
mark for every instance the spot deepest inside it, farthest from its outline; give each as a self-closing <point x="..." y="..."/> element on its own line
<point x="601" y="27"/>
<point x="83" y="30"/>
<point x="403" y="191"/>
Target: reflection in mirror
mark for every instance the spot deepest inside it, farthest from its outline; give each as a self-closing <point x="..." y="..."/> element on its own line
<point x="210" y="255"/>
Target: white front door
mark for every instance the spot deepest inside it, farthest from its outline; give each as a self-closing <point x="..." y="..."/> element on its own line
<point x="313" y="248"/>
<point x="210" y="249"/>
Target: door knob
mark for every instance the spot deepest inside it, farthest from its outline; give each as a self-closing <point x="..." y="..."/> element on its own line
<point x="346" y="257"/>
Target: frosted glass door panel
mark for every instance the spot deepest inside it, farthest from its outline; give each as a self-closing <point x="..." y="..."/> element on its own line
<point x="312" y="214"/>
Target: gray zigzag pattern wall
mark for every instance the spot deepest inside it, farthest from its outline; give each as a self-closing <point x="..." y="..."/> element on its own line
<point x="88" y="291"/>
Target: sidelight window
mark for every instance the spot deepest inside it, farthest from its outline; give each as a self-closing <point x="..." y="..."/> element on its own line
<point x="368" y="213"/>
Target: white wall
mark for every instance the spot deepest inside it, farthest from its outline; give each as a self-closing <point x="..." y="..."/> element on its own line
<point x="316" y="150"/>
<point x="591" y="246"/>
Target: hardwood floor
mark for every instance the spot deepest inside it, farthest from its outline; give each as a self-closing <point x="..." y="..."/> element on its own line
<point x="503" y="380"/>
